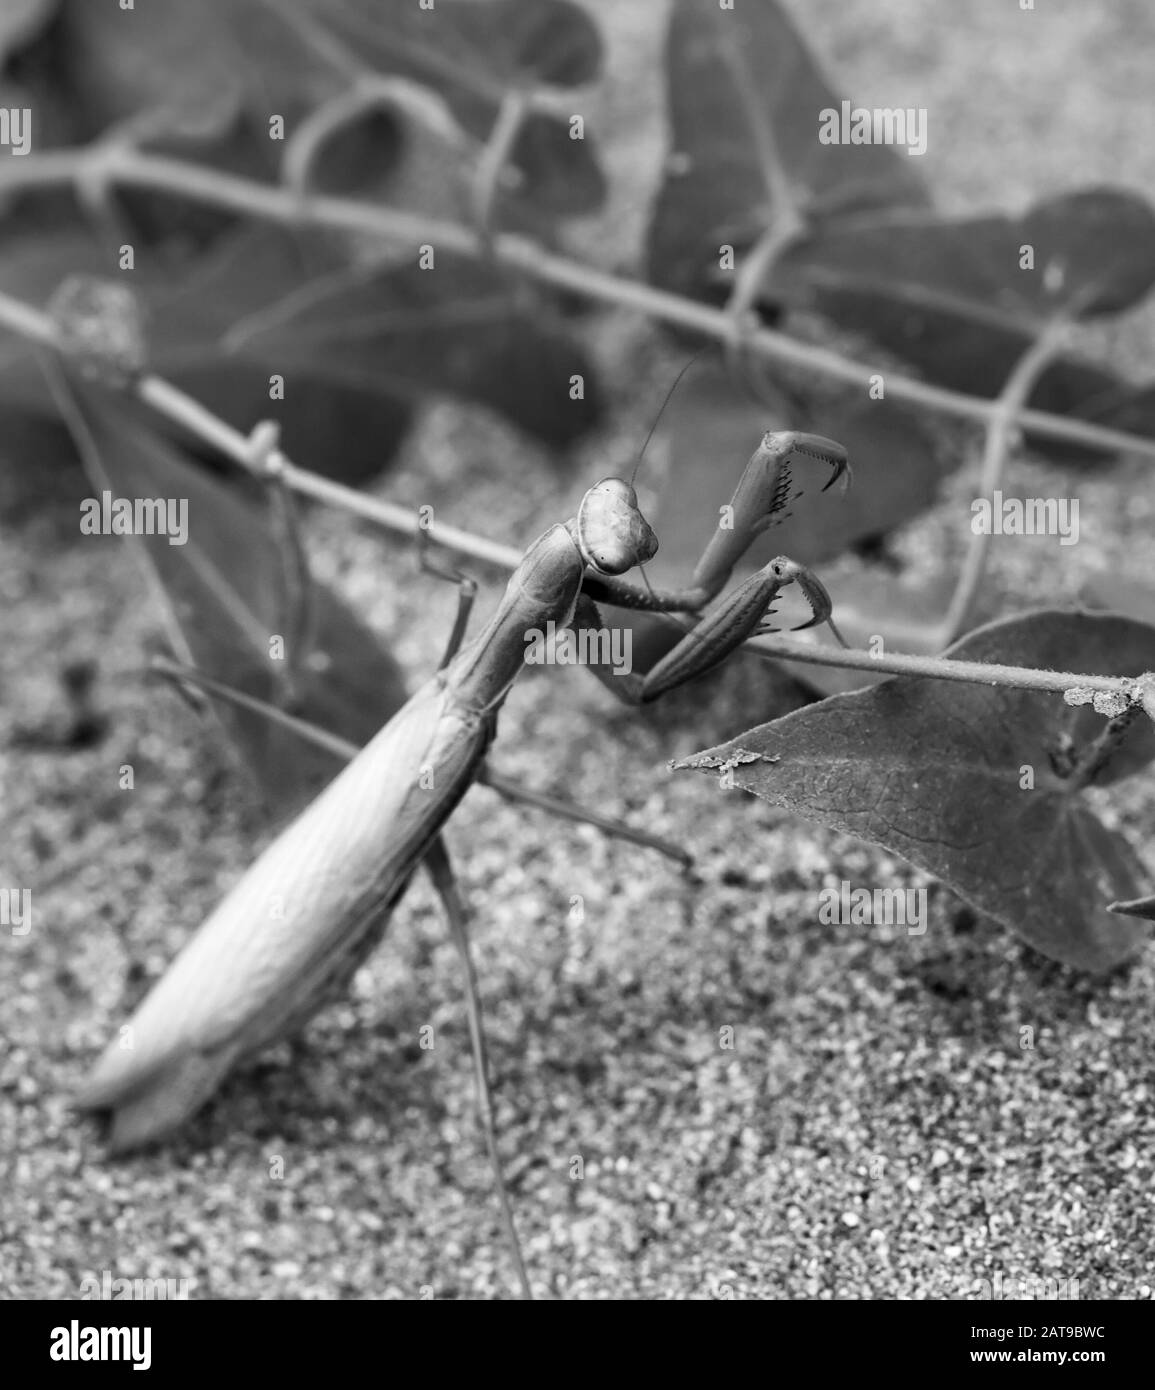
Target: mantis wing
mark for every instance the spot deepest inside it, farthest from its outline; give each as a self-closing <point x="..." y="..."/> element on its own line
<point x="296" y="925"/>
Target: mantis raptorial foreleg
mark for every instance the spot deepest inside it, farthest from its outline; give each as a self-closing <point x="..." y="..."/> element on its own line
<point x="721" y="629"/>
<point x="762" y="496"/>
<point x="466" y="595"/>
<point x="723" y="624"/>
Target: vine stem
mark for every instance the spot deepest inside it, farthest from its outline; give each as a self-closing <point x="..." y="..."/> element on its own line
<point x="121" y="163"/>
<point x="187" y="412"/>
<point x="1000" y="432"/>
<point x="946" y="668"/>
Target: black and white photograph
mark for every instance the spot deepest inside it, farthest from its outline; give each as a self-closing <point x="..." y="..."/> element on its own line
<point x="577" y="661"/>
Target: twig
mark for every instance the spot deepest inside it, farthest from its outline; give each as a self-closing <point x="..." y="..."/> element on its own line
<point x="1000" y="432"/>
<point x="183" y="410"/>
<point x="946" y="668"/>
<point x="1092" y="759"/>
<point x="485" y="185"/>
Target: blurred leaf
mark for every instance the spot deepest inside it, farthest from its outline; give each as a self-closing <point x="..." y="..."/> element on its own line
<point x="343" y="429"/>
<point x="341" y="424"/>
<point x="717" y="189"/>
<point x="471" y="45"/>
<point x="358" y="347"/>
<point x="173" y="75"/>
<point x="555" y="174"/>
<point x="222" y="595"/>
<point x="1094" y="253"/>
<point x="1120" y="406"/>
<point x="932" y="770"/>
<point x="21" y="21"/>
<point x="40" y="476"/>
<point x="460" y="329"/>
<point x="950" y="296"/>
<point x="472" y="52"/>
<point x="161" y="56"/>
<point x="1118" y="594"/>
<point x="396" y="144"/>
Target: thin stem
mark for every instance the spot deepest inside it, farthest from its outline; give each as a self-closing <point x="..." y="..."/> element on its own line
<point x="183" y="676"/>
<point x="180" y="674"/>
<point x="751" y="275"/>
<point x="486" y="182"/>
<point x="132" y="167"/>
<point x="184" y="410"/>
<point x="1096" y="755"/>
<point x="582" y="815"/>
<point x="1000" y="432"/>
<point x="945" y="668"/>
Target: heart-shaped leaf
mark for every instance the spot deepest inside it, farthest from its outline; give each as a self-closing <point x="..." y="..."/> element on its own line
<point x="1115" y="594"/>
<point x="21" y="21"/>
<point x="741" y="82"/>
<point x="1119" y="406"/>
<point x="356" y="347"/>
<point x="966" y="781"/>
<point x="1091" y="252"/>
<point x="393" y="143"/>
<point x="955" y="297"/>
<point x="170" y="61"/>
<point x="342" y="426"/>
<point x="223" y="596"/>
<point x="473" y="52"/>
<point x="408" y="332"/>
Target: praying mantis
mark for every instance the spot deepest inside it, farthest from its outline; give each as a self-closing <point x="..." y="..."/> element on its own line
<point x="295" y="928"/>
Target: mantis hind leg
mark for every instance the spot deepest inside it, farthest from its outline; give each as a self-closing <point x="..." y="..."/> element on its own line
<point x="186" y="678"/>
<point x="441" y="870"/>
<point x="722" y="629"/>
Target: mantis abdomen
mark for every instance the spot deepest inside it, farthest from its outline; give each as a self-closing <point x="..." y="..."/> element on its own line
<point x="297" y="924"/>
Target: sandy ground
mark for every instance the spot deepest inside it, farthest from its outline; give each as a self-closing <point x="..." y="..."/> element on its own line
<point x="876" y="1130"/>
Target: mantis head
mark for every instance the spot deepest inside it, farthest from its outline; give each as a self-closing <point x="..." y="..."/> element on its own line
<point x="612" y="533"/>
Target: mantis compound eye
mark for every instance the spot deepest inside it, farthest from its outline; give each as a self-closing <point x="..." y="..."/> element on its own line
<point x="613" y="534"/>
